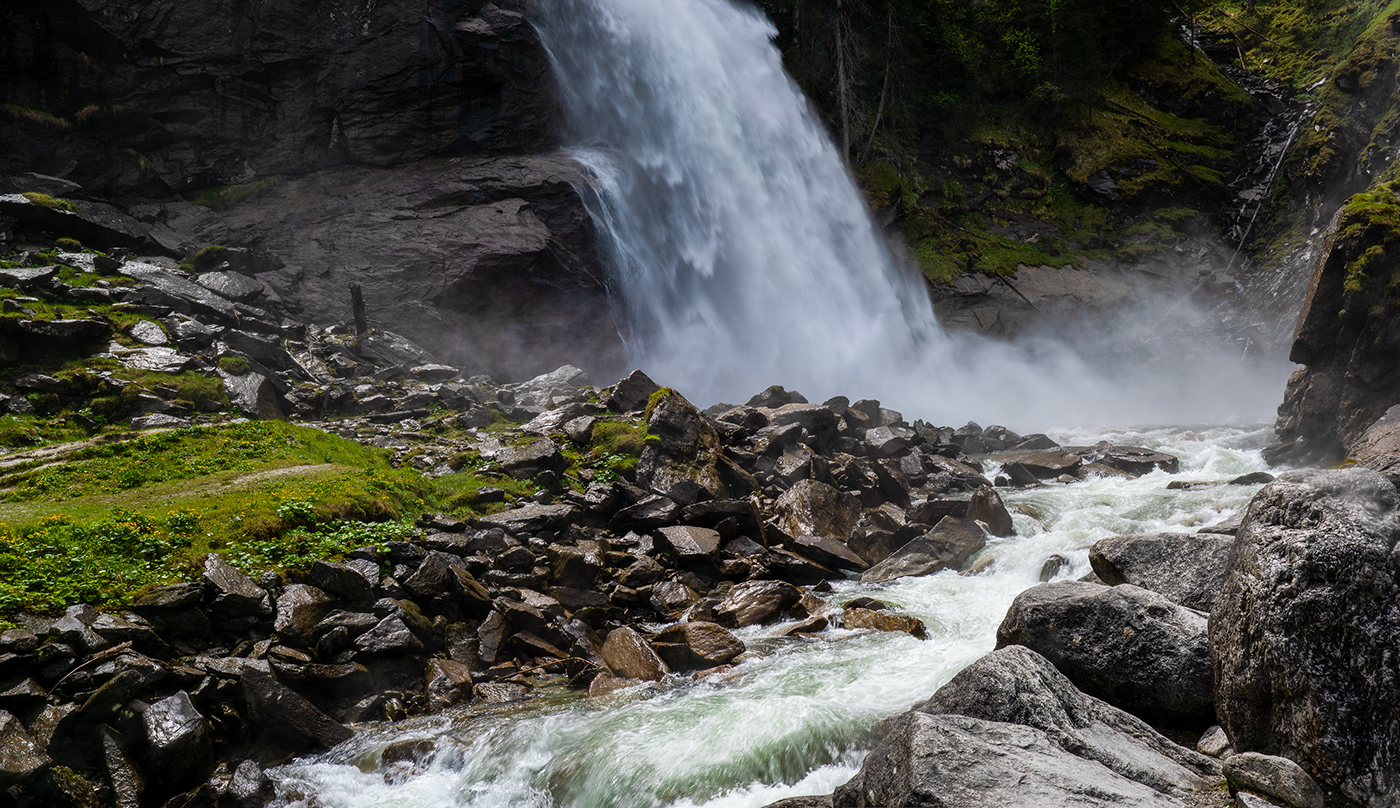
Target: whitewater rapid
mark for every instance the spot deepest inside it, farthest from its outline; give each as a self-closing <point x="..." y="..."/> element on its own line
<point x="794" y="718"/>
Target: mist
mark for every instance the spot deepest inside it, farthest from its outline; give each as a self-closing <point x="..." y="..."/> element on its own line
<point x="742" y="254"/>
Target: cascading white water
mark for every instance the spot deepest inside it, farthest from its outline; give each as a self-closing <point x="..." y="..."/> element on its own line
<point x="742" y="253"/>
<point x="791" y="719"/>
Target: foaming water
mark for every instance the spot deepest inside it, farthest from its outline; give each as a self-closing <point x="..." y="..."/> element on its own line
<point x="742" y="255"/>
<point x="795" y="718"/>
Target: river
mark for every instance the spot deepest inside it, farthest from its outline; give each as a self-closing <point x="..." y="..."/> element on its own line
<point x="795" y="717"/>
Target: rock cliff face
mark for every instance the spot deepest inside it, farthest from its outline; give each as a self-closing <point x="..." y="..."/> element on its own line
<point x="164" y="96"/>
<point x="1348" y="334"/>
<point x="403" y="147"/>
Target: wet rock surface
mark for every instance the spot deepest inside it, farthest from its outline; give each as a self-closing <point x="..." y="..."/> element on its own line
<point x="1304" y="623"/>
<point x="1188" y="569"/>
<point x="1129" y="646"/>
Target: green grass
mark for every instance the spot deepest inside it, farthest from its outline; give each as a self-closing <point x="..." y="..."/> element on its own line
<point x="107" y="520"/>
<point x="111" y="519"/>
<point x="46" y="201"/>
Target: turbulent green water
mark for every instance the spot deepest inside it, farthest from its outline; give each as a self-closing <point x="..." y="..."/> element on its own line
<point x="794" y="720"/>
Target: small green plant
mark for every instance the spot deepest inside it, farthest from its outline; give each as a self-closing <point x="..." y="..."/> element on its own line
<point x="209" y="257"/>
<point x="235" y="366"/>
<point x="46" y="201"/>
<point x="297" y="511"/>
<point x="69" y="245"/>
<point x="654" y="399"/>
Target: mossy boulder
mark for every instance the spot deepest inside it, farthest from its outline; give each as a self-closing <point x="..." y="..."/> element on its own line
<point x="1349" y="331"/>
<point x="683" y="453"/>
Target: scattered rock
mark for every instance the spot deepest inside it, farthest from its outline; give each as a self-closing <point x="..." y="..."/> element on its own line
<point x="178" y="743"/>
<point x="280" y="711"/>
<point x="1188" y="569"/>
<point x="950" y="545"/>
<point x="756" y="603"/>
<point x="629" y="656"/>
<point x="883" y="621"/>
<point x="1276" y="777"/>
<point x="20" y="757"/>
<point x="811" y="508"/>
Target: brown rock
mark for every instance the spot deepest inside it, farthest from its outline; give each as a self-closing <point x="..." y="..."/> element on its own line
<point x="987" y="508"/>
<point x="884" y="621"/>
<point x="811" y="508"/>
<point x="756" y="602"/>
<point x="948" y="546"/>
<point x="629" y="656"/>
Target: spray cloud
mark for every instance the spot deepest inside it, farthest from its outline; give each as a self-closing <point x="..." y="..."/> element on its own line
<point x="743" y="255"/>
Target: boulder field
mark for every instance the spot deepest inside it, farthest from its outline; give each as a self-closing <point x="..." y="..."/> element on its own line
<point x="1294" y="659"/>
<point x="610" y="575"/>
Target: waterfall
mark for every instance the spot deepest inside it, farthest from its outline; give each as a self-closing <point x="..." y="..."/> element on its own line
<point x="742" y="254"/>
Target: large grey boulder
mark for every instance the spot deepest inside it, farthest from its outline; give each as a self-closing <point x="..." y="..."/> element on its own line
<point x="1187" y="568"/>
<point x="1130" y="647"/>
<point x="1016" y="685"/>
<point x="1305" y="633"/>
<point x="954" y="761"/>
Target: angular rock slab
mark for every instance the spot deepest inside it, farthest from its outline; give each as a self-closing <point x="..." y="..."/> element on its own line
<point x="281" y="710"/>
<point x="1305" y="633"/>
<point x="811" y="508"/>
<point x="1016" y="685"/>
<point x="1130" y="647"/>
<point x="953" y="761"/>
<point x="178" y="743"/>
<point x="686" y="451"/>
<point x="20" y="757"/>
<point x="756" y="602"/>
<point x="948" y="546"/>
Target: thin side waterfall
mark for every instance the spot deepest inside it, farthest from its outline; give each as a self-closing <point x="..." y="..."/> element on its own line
<point x="742" y="253"/>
